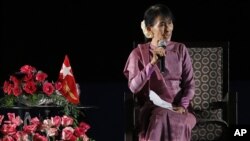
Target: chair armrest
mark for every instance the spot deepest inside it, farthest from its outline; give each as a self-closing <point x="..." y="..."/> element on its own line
<point x="218" y="121"/>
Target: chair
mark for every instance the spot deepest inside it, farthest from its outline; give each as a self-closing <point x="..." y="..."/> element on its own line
<point x="213" y="104"/>
<point x="130" y="133"/>
<point x="212" y="99"/>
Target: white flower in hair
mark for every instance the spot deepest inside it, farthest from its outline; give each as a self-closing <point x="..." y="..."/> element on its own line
<point x="145" y="30"/>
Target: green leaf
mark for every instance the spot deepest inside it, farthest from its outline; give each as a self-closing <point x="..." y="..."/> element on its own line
<point x="7" y="101"/>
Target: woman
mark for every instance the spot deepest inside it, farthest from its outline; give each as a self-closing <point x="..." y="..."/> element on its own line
<point x="174" y="85"/>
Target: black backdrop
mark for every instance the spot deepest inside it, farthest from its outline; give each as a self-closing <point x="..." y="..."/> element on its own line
<point x="98" y="37"/>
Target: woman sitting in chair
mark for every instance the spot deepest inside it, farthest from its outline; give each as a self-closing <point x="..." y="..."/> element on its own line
<point x="160" y="73"/>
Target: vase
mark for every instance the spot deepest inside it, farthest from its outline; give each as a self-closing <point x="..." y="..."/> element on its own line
<point x="34" y="100"/>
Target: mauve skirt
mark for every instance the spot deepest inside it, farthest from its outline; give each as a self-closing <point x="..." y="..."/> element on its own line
<point x="159" y="124"/>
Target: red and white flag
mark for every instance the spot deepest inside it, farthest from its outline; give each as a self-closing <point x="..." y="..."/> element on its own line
<point x="66" y="77"/>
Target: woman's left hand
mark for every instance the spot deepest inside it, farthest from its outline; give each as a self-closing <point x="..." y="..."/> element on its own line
<point x="179" y="109"/>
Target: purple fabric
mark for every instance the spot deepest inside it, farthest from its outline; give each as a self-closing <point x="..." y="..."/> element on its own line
<point x="166" y="125"/>
<point x="175" y="85"/>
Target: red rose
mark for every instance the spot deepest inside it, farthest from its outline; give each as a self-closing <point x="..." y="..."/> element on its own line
<point x="67" y="121"/>
<point x="73" y="138"/>
<point x="79" y="132"/>
<point x="28" y="77"/>
<point x="6" y="86"/>
<point x="38" y="137"/>
<point x="10" y="87"/>
<point x="84" y="126"/>
<point x="17" y="91"/>
<point x="14" y="80"/>
<point x="11" y="116"/>
<point x="8" y="138"/>
<point x="30" y="87"/>
<point x="67" y="133"/>
<point x="41" y="76"/>
<point x="27" y="69"/>
<point x="58" y="85"/>
<point x="20" y="136"/>
<point x="48" y="88"/>
<point x="56" y="121"/>
<point x="14" y="120"/>
<point x="35" y="121"/>
<point x="8" y="129"/>
<point x="29" y="128"/>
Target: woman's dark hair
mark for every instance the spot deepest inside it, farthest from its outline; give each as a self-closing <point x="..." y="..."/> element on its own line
<point x="157" y="10"/>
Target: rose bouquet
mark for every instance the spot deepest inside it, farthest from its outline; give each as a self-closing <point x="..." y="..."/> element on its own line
<point x="55" y="128"/>
<point x="30" y="87"/>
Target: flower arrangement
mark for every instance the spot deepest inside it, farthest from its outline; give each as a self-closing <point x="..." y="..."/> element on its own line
<point x="30" y="84"/>
<point x="55" y="128"/>
<point x="30" y="87"/>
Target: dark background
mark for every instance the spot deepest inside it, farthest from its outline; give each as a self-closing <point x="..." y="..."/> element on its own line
<point x="98" y="37"/>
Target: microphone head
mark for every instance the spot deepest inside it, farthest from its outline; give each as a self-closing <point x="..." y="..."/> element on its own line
<point x="162" y="43"/>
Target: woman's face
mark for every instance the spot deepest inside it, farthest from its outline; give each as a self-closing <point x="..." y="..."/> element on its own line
<point x="162" y="28"/>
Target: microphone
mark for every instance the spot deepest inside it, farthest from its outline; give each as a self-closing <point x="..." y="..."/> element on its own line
<point x="162" y="43"/>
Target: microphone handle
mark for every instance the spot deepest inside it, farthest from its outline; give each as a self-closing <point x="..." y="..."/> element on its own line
<point x="162" y="64"/>
<point x="162" y="44"/>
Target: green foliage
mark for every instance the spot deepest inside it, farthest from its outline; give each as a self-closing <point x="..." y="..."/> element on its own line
<point x="68" y="108"/>
<point x="7" y="101"/>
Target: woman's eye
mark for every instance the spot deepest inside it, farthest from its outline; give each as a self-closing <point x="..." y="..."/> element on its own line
<point x="162" y="24"/>
<point x="169" y="22"/>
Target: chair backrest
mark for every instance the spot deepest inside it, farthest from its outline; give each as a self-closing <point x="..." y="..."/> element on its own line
<point x="210" y="63"/>
<point x="209" y="79"/>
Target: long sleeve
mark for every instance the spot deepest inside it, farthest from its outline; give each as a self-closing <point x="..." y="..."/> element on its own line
<point x="136" y="73"/>
<point x="187" y="79"/>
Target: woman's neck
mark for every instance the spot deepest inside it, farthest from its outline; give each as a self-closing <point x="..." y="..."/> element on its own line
<point x="154" y="43"/>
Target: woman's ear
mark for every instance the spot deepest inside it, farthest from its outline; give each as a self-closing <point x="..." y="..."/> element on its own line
<point x="146" y="30"/>
<point x="149" y="29"/>
<point x="150" y="33"/>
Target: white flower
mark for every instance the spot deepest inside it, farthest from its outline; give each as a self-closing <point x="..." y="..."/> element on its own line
<point x="145" y="30"/>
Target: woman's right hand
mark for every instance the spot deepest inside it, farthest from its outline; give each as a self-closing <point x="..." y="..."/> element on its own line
<point x="179" y="109"/>
<point x="157" y="53"/>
